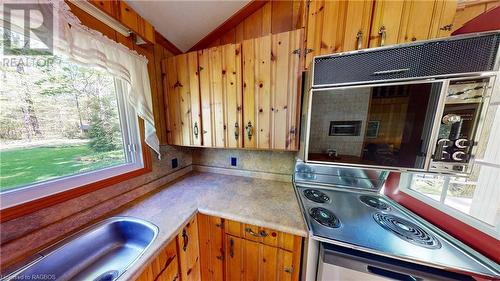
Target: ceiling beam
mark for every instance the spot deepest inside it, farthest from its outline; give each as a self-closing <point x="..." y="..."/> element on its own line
<point x="159" y="39"/>
<point x="229" y="24"/>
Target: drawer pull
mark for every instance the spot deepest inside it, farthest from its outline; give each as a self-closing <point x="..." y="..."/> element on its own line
<point x="392" y="71"/>
<point x="231" y="247"/>
<point x="251" y="232"/>
<point x="359" y="38"/>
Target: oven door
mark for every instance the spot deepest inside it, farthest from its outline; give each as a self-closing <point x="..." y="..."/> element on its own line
<point x="344" y="264"/>
<point x="386" y="126"/>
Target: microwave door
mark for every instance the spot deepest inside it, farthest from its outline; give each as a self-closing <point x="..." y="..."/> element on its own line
<point x="386" y="126"/>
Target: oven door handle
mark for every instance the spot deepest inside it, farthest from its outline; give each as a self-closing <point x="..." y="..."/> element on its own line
<point x="390" y="274"/>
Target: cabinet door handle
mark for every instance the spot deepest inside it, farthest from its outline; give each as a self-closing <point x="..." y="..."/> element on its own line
<point x="236" y="131"/>
<point x="185" y="239"/>
<point x="231" y="247"/>
<point x="195" y="129"/>
<point x="251" y="232"/>
<point x="288" y="269"/>
<point x="359" y="38"/>
<point x="249" y="129"/>
<point x="383" y="34"/>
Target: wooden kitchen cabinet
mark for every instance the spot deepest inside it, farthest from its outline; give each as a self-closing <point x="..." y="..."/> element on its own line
<point x="339" y="26"/>
<point x="237" y="95"/>
<point x="221" y="100"/>
<point x="183" y="99"/>
<point x="271" y="90"/>
<point x="211" y="237"/>
<point x="128" y="16"/>
<point x="189" y="255"/>
<point x="250" y="260"/>
<point x="406" y="21"/>
<point x="164" y="267"/>
<point x="232" y="251"/>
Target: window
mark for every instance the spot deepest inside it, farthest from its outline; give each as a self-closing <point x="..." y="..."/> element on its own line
<point x="474" y="199"/>
<point x="62" y="125"/>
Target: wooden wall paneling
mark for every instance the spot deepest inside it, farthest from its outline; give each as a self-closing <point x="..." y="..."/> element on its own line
<point x="282" y="13"/>
<point x="263" y="91"/>
<point x="249" y="123"/>
<point x="442" y="19"/>
<point x="195" y="106"/>
<point x="387" y="18"/>
<point x="128" y="16"/>
<point x="158" y="99"/>
<point x="416" y="20"/>
<point x="285" y="89"/>
<point x="231" y="75"/>
<point x="173" y="106"/>
<point x="465" y="13"/>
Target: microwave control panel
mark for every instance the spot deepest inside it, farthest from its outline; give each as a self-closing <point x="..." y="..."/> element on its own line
<point x="458" y="126"/>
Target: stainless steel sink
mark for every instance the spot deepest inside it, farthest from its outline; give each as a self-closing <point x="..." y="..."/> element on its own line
<point x="101" y="252"/>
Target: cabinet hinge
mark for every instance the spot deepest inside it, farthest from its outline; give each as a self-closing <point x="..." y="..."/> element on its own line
<point x="296" y="52"/>
<point x="447" y="27"/>
<point x="307" y="51"/>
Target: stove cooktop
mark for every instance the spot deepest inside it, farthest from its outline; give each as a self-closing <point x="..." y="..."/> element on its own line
<point x="376" y="224"/>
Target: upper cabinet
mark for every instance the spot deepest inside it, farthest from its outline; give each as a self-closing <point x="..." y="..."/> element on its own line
<point x="237" y="95"/>
<point x="338" y="26"/>
<point x="271" y="90"/>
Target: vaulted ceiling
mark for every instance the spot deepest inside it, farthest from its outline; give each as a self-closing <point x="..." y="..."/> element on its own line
<point x="184" y="23"/>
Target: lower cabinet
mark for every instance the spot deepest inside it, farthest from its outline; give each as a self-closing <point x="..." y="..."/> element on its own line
<point x="164" y="267"/>
<point x="232" y="250"/>
<point x="210" y="248"/>
<point x="189" y="255"/>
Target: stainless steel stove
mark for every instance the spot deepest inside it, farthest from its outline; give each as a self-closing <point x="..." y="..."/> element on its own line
<point x="345" y="211"/>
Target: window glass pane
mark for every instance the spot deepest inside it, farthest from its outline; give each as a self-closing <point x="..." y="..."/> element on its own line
<point x="429" y="185"/>
<point x="57" y="119"/>
<point x="460" y="193"/>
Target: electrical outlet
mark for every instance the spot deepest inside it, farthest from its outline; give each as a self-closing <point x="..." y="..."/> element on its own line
<point x="175" y="163"/>
<point x="234" y="161"/>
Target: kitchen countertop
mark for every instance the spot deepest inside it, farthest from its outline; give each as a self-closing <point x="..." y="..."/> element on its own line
<point x="265" y="203"/>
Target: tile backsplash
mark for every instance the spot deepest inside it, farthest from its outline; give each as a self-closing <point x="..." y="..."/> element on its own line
<point x="277" y="162"/>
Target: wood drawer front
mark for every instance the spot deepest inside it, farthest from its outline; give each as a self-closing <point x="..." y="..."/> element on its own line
<point x="263" y="235"/>
<point x="164" y="267"/>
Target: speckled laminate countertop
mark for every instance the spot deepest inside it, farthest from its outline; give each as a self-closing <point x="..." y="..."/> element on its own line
<point x="266" y="203"/>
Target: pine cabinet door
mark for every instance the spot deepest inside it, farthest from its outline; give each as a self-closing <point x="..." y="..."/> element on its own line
<point x="211" y="235"/>
<point x="337" y="26"/>
<point x="183" y="100"/>
<point x="271" y="90"/>
<point x="416" y="20"/>
<point x="234" y="258"/>
<point x="220" y="86"/>
<point x="189" y="257"/>
<point x="442" y="21"/>
<point x="386" y="22"/>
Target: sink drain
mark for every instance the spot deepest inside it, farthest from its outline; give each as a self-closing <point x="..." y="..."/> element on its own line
<point x="108" y="276"/>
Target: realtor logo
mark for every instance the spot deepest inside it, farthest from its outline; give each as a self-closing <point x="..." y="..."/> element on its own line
<point x="28" y="28"/>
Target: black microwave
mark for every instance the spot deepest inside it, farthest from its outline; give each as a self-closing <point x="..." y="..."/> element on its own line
<point x="425" y="125"/>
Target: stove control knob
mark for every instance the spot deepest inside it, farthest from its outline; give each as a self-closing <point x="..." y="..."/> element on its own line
<point x="462" y="143"/>
<point x="459" y="156"/>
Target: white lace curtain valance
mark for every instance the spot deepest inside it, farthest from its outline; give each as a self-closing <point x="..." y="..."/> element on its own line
<point x="83" y="45"/>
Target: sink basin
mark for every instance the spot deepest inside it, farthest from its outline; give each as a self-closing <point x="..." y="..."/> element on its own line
<point x="101" y="252"/>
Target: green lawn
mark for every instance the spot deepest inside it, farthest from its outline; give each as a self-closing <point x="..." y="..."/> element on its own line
<point x="24" y="166"/>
